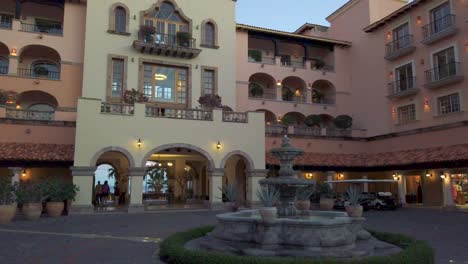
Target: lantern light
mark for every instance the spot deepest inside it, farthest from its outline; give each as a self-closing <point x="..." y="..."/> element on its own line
<point x="218" y="146"/>
<point x="139" y="143"/>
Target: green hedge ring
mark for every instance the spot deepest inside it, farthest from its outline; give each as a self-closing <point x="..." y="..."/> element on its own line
<point x="172" y="251"/>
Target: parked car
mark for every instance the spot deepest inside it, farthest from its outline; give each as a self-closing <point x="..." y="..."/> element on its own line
<point x="382" y="201"/>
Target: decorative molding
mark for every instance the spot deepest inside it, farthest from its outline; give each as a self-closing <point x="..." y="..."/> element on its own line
<point x="83" y="171"/>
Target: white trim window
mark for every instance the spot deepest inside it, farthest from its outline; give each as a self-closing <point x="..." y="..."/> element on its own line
<point x="448" y="104"/>
<point x="406" y="114"/>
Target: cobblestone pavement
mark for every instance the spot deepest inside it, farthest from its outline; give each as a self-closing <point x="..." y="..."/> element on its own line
<point x="127" y="238"/>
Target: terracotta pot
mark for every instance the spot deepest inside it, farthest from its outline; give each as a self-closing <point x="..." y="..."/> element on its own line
<point x="32" y="211"/>
<point x="268" y="213"/>
<point x="302" y="205"/>
<point x="354" y="211"/>
<point x="231" y="207"/>
<point x="326" y="204"/>
<point x="54" y="209"/>
<point x="7" y="213"/>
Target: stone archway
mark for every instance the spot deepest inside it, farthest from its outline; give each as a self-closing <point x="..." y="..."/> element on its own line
<point x="211" y="163"/>
<point x="237" y="167"/>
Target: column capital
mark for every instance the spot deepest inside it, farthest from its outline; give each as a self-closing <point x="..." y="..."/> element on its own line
<point x="83" y="171"/>
<point x="137" y="171"/>
<point x="258" y="173"/>
<point x="216" y="173"/>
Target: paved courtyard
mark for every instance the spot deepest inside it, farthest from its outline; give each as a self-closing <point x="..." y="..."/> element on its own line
<point x="124" y="238"/>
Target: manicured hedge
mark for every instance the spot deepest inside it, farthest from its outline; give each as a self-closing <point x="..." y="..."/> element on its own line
<point x="173" y="252"/>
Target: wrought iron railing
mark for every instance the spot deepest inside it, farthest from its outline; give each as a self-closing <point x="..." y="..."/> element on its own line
<point x="168" y="40"/>
<point x="299" y="99"/>
<point x="3" y="70"/>
<point x="235" y="117"/>
<point x="331" y="132"/>
<point x="443" y="71"/>
<point x="187" y="114"/>
<point x="32" y="73"/>
<point x="6" y="24"/>
<point x="324" y="101"/>
<point x="307" y="131"/>
<point x="29" y="114"/>
<point x="117" y="108"/>
<point x="264" y="60"/>
<point x="438" y="26"/>
<point x="294" y="64"/>
<point x="399" y="44"/>
<point x="268" y="96"/>
<point x="49" y="29"/>
<point x="401" y="86"/>
<point x="276" y="130"/>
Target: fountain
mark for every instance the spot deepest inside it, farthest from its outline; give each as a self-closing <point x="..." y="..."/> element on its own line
<point x="312" y="234"/>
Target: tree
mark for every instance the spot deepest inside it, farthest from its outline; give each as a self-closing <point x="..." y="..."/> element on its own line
<point x="212" y="101"/>
<point x="112" y="173"/>
<point x="313" y="121"/>
<point x="156" y="178"/>
<point x="343" y="121"/>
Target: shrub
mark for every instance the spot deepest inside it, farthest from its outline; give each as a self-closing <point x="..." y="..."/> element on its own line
<point x="255" y="90"/>
<point x="256" y="55"/>
<point x="7" y="191"/>
<point x="57" y="190"/>
<point x="343" y="121"/>
<point x="313" y="120"/>
<point x="133" y="96"/>
<point x="173" y="251"/>
<point x="288" y="120"/>
<point x="183" y="38"/>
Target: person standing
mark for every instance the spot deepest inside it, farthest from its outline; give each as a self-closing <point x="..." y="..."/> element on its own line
<point x="116" y="194"/>
<point x="105" y="193"/>
<point x="98" y="193"/>
<point x="123" y="193"/>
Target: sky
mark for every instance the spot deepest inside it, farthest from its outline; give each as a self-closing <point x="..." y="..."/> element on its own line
<point x="269" y="13"/>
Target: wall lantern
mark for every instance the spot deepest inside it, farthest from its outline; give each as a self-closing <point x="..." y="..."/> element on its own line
<point x="14" y="52"/>
<point x="341" y="175"/>
<point x="390" y="75"/>
<point x="393" y="110"/>
<point x="218" y="146"/>
<point x="426" y="102"/>
<point x="428" y="175"/>
<point x="396" y="177"/>
<point x="139" y="143"/>
<point x="309" y="176"/>
<point x="442" y="175"/>
<point x="24" y="173"/>
<point x="419" y="20"/>
<point x="170" y="164"/>
<point x="389" y="35"/>
<point x="278" y="82"/>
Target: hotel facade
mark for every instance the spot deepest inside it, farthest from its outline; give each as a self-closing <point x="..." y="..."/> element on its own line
<point x="91" y="83"/>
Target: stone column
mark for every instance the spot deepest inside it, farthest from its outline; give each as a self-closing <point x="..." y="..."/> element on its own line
<point x="448" y="191"/>
<point x="83" y="179"/>
<point x="330" y="177"/>
<point x="216" y="182"/>
<point x="179" y="171"/>
<point x="13" y="65"/>
<point x="136" y="190"/>
<point x="401" y="190"/>
<point x="16" y="174"/>
<point x="366" y="185"/>
<point x="253" y="184"/>
<point x="309" y="93"/>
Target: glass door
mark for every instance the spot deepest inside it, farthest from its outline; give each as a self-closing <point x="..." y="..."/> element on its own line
<point x="401" y="36"/>
<point x="404" y="77"/>
<point x="440" y="18"/>
<point x="444" y="64"/>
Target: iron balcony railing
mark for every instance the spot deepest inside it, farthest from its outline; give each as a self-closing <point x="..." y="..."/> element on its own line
<point x="49" y="29"/>
<point x="401" y="86"/>
<point x="187" y="114"/>
<point x="324" y="101"/>
<point x="307" y="131"/>
<point x="3" y="70"/>
<point x="294" y="64"/>
<point x="6" y="24"/>
<point x="168" y="40"/>
<point x="442" y="72"/>
<point x="264" y="60"/>
<point x="30" y="114"/>
<point x="234" y="117"/>
<point x="117" y="108"/>
<point x="439" y="25"/>
<point x="399" y="44"/>
<point x="276" y="130"/>
<point x="33" y="73"/>
<point x="268" y="96"/>
<point x="338" y="132"/>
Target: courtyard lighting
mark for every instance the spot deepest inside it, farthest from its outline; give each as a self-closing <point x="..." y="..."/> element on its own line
<point x="309" y="176"/>
<point x="278" y="82"/>
<point x="139" y="143"/>
<point x="14" y="52"/>
<point x="443" y="176"/>
<point x="218" y="146"/>
<point x="24" y="173"/>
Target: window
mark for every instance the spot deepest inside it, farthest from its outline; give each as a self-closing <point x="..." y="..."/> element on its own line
<point x="165" y="83"/>
<point x="449" y="104"/>
<point x="404" y="77"/>
<point x="444" y="64"/>
<point x="4" y="65"/>
<point x="406" y="114"/>
<point x="209" y="34"/>
<point x="120" y="20"/>
<point x="209" y="81"/>
<point x="5" y="21"/>
<point x="48" y="26"/>
<point x="167" y="22"/>
<point x="44" y="69"/>
<point x="440" y="18"/>
<point x="401" y="37"/>
<point x="117" y="78"/>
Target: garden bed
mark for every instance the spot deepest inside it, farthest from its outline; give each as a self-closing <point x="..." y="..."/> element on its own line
<point x="173" y="251"/>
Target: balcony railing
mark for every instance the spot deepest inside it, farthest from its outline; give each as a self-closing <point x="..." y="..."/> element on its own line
<point x="49" y="29"/>
<point x="438" y="26"/>
<point x="264" y="60"/>
<point x="442" y="72"/>
<point x="276" y="130"/>
<point x="399" y="46"/>
<point x="119" y="109"/>
<point x="403" y="86"/>
<point x="234" y="117"/>
<point x="29" y="114"/>
<point x="32" y="73"/>
<point x="307" y="131"/>
<point x="324" y="101"/>
<point x="168" y="40"/>
<point x="339" y="132"/>
<point x="267" y="96"/>
<point x="294" y="64"/>
<point x="6" y="24"/>
<point x="3" y="70"/>
<point x="187" y="114"/>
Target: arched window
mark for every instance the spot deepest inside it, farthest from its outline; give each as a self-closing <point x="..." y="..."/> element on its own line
<point x="3" y="65"/>
<point x="46" y="69"/>
<point x="209" y="34"/>
<point x="120" y="20"/>
<point x="166" y="21"/>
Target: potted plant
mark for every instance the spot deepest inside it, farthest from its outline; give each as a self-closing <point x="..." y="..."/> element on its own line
<point x="133" y="96"/>
<point x="255" y="55"/>
<point x="30" y="195"/>
<point x="354" y="199"/>
<point x="147" y="33"/>
<point x="269" y="196"/>
<point x="7" y="200"/>
<point x="183" y="38"/>
<point x="327" y="196"/>
<point x="302" y="201"/>
<point x="57" y="192"/>
<point x="230" y="197"/>
<point x="70" y="193"/>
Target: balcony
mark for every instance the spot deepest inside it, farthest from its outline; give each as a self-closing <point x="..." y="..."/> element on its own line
<point x="439" y="29"/>
<point x="52" y="29"/>
<point x="7" y="24"/>
<point x="307" y="131"/>
<point x="29" y="114"/>
<point x="263" y="60"/>
<point x="3" y="70"/>
<point x="186" y="114"/>
<point x="293" y="63"/>
<point x="36" y="73"/>
<point x="233" y="117"/>
<point x="402" y="88"/>
<point x="445" y="74"/>
<point x="399" y="47"/>
<point x="178" y="46"/>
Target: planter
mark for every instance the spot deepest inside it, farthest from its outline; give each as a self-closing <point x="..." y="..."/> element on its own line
<point x="302" y="205"/>
<point x="268" y="213"/>
<point x="7" y="213"/>
<point x="354" y="211"/>
<point x="326" y="204"/>
<point x="231" y="207"/>
<point x="54" y="209"/>
<point x="32" y="211"/>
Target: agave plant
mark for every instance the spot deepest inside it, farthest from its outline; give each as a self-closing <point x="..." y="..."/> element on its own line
<point x="229" y="192"/>
<point x="304" y="194"/>
<point x="268" y="195"/>
<point x="354" y="196"/>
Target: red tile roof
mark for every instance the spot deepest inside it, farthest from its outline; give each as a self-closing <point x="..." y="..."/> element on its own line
<point x="397" y="158"/>
<point x="36" y="152"/>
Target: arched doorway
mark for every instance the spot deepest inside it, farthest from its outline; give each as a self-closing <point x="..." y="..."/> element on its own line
<point x="236" y="172"/>
<point x="4" y="58"/>
<point x="294" y="89"/>
<point x="37" y="61"/>
<point x="323" y="92"/>
<point x="262" y="85"/>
